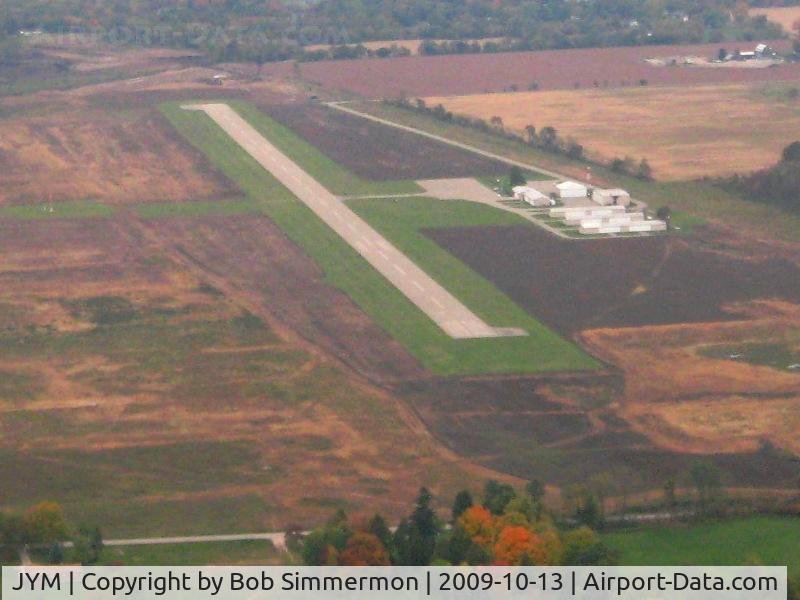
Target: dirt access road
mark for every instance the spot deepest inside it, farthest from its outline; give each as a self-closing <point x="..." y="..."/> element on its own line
<point x="443" y="308"/>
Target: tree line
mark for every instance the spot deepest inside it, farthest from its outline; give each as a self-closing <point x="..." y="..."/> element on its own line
<point x="42" y="530"/>
<point x="277" y="30"/>
<point x="546" y="138"/>
<point x="507" y="527"/>
<point x="778" y="185"/>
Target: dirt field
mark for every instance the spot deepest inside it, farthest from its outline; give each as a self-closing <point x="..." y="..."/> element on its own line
<point x="564" y="430"/>
<point x="785" y="16"/>
<point x="685" y="401"/>
<point x="124" y="360"/>
<point x="684" y="132"/>
<point x="379" y="153"/>
<point x="552" y="69"/>
<point x="109" y="157"/>
<point x="623" y="282"/>
<point x="676" y="397"/>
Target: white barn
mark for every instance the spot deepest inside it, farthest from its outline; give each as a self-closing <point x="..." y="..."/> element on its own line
<point x="572" y="189"/>
<point x="531" y="196"/>
<point x="611" y="197"/>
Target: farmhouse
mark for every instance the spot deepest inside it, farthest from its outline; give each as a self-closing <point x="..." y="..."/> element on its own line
<point x="571" y="189"/>
<point x="611" y="197"/>
<point x="531" y="196"/>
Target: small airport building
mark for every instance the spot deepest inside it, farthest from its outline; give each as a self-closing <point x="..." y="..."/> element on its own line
<point x="612" y="197"/>
<point x="531" y="196"/>
<point x="572" y="189"/>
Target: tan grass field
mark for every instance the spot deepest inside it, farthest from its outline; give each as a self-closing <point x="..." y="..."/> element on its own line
<point x="684" y="132"/>
<point x="785" y="16"/>
<point x="108" y="157"/>
<point x="687" y="402"/>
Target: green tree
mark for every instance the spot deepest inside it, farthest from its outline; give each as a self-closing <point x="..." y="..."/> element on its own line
<point x="548" y="136"/>
<point x="496" y="496"/>
<point x="791" y="152"/>
<point x="88" y="546"/>
<point x="583" y="547"/>
<point x="462" y="502"/>
<point x="670" y="498"/>
<point x="457" y="547"/>
<point x="322" y="546"/>
<point x="45" y="524"/>
<point x="664" y="213"/>
<point x="575" y="150"/>
<point x="644" y="171"/>
<point x="707" y="483"/>
<point x="378" y="527"/>
<point x="516" y="176"/>
<point x="530" y="134"/>
<point x="415" y="538"/>
<point x="589" y="512"/>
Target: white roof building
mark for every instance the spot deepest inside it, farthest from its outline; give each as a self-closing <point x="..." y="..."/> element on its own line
<point x="531" y="196"/>
<point x="572" y="189"/>
<point x="611" y="197"/>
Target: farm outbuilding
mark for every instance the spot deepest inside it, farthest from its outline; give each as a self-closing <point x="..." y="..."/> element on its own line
<point x="531" y="196"/>
<point x="572" y="189"/>
<point x="612" y="197"/>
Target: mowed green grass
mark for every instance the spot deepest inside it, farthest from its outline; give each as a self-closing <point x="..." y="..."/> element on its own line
<point x="161" y="210"/>
<point x="333" y="176"/>
<point x="86" y="209"/>
<point x="403" y="221"/>
<point x="757" y="540"/>
<point x="782" y="356"/>
<point x="249" y="552"/>
<point x="347" y="270"/>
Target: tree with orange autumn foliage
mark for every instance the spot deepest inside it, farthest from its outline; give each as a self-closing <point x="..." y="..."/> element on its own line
<point x="479" y="523"/>
<point x="364" y="550"/>
<point x="516" y="545"/>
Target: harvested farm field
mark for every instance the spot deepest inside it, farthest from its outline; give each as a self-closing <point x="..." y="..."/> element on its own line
<point x="566" y="430"/>
<point x="134" y="362"/>
<point x="785" y="16"/>
<point x="378" y="153"/>
<point x="722" y="129"/>
<point x="620" y="282"/>
<point x="684" y="400"/>
<point x="114" y="158"/>
<point x="549" y="69"/>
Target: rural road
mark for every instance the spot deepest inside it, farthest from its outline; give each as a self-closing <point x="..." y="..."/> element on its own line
<point x="455" y="319"/>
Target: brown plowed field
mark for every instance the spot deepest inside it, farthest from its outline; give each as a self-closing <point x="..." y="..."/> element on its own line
<point x="378" y="153"/>
<point x="621" y="282"/>
<point x="551" y="69"/>
<point x="512" y="426"/>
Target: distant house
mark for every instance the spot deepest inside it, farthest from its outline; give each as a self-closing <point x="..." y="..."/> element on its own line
<point x="531" y="196"/>
<point x="764" y="51"/>
<point x="611" y="197"/>
<point x="572" y="189"/>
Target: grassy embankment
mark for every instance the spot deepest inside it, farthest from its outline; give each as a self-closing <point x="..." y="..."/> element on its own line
<point x="541" y="351"/>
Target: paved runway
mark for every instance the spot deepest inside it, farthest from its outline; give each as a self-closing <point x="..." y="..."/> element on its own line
<point x="443" y="308"/>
